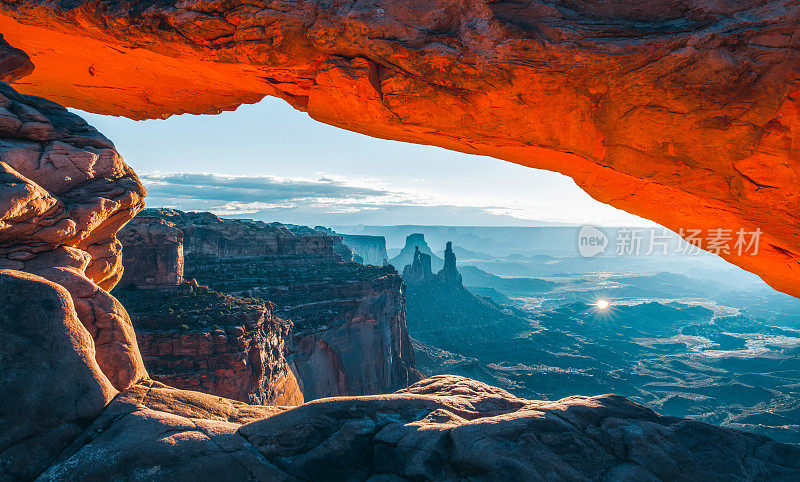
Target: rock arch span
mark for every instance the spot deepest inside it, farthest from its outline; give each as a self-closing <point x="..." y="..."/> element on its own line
<point x="682" y="112"/>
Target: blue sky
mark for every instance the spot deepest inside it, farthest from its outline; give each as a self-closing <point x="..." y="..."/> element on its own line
<point x="270" y="162"/>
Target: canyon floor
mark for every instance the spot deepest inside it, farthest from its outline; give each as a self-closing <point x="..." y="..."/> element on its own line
<point x="702" y="340"/>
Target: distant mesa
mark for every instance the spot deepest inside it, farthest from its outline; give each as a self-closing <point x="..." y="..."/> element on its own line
<point x="416" y="242"/>
<point x="366" y="249"/>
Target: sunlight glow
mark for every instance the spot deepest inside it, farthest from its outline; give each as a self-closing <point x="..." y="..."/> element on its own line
<point x="602" y="304"/>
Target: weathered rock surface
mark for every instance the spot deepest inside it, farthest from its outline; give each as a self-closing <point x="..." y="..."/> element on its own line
<point x="14" y="63"/>
<point x="153" y="253"/>
<point x="690" y="104"/>
<point x="194" y="338"/>
<point x="349" y="335"/>
<point x="154" y="432"/>
<point x="64" y="193"/>
<point x="444" y="428"/>
<point x="50" y="384"/>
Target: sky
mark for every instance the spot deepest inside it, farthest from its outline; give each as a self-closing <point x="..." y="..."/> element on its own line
<point x="268" y="161"/>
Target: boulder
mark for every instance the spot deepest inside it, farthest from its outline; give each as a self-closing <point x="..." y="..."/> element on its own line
<point x="51" y="386"/>
<point x="64" y="193"/>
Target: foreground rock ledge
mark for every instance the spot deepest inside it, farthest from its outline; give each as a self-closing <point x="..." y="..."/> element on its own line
<point x="443" y="428"/>
<point x="685" y="113"/>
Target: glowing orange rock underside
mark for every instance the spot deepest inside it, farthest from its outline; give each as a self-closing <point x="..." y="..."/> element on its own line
<point x="685" y="159"/>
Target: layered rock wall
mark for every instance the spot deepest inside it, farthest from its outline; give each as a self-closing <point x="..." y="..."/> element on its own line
<point x="194" y="338"/>
<point x="349" y="335"/>
<point x="153" y="253"/>
<point x="206" y="234"/>
<point x="228" y="347"/>
<point x="372" y="249"/>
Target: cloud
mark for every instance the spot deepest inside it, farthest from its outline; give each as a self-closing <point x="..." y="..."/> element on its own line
<point x="329" y="199"/>
<point x="324" y="200"/>
<point x="243" y="189"/>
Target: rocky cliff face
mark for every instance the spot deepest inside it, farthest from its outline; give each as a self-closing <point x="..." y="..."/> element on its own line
<point x="372" y="249"/>
<point x="349" y="335"/>
<point x="688" y="104"/>
<point x="153" y="253"/>
<point x="194" y="338"/>
<point x="206" y="234"/>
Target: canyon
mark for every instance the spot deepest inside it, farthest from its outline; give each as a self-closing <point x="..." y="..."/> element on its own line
<point x="348" y="332"/>
<point x="687" y="105"/>
<point x="195" y="338"/>
<point x="443" y="428"/>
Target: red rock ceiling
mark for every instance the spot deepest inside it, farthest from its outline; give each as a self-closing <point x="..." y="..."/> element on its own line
<point x="683" y="112"/>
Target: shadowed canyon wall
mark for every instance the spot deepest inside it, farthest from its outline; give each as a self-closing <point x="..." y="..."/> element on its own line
<point x="682" y="112"/>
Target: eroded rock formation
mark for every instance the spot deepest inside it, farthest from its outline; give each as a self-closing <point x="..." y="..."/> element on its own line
<point x="194" y="338"/>
<point x="349" y="332"/>
<point x="51" y="383"/>
<point x="449" y="273"/>
<point x="684" y="112"/>
<point x="153" y="256"/>
<point x="419" y="270"/>
<point x="64" y="194"/>
<point x="416" y="243"/>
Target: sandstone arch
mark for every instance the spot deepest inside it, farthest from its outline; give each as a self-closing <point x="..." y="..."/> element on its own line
<point x="682" y="112"/>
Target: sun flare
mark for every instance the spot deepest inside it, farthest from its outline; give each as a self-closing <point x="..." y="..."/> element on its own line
<point x="602" y="304"/>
